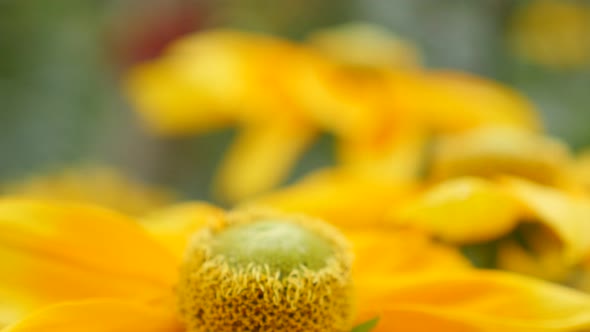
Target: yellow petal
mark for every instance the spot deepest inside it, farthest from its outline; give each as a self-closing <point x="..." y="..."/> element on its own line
<point x="212" y="79"/>
<point x="97" y="185"/>
<point x="565" y="214"/>
<point x="58" y="252"/>
<point x="346" y="199"/>
<point x="400" y="252"/>
<point x="99" y="315"/>
<point x="174" y="225"/>
<point x="544" y="261"/>
<point x="206" y="80"/>
<point x="414" y="319"/>
<point x="261" y="158"/>
<point x="348" y="103"/>
<point x="494" y="150"/>
<point x="399" y="155"/>
<point x="169" y="102"/>
<point x="475" y="300"/>
<point x="462" y="210"/>
<point x="452" y="101"/>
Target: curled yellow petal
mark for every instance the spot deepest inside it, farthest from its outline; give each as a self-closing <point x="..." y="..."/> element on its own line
<point x="51" y="252"/>
<point x="260" y="158"/>
<point x="462" y="210"/>
<point x="565" y="214"/>
<point x="492" y="151"/>
<point x="475" y="300"/>
<point x="541" y="256"/>
<point x="99" y="315"/>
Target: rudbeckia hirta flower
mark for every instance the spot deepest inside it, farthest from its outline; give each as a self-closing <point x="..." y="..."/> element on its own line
<point x="281" y="95"/>
<point x="507" y="194"/>
<point x="512" y="191"/>
<point x="77" y="267"/>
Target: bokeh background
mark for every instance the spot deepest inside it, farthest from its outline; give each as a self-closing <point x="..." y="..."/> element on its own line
<point x="62" y="63"/>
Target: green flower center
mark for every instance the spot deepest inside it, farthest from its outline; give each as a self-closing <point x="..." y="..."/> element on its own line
<point x="283" y="247"/>
<point x="265" y="271"/>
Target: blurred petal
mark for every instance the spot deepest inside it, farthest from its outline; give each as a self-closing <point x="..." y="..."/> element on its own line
<point x="173" y="226"/>
<point x="463" y="210"/>
<point x="416" y="319"/>
<point x="261" y="158"/>
<point x="408" y="251"/>
<point x="97" y="185"/>
<point x="474" y="300"/>
<point x="565" y="214"/>
<point x="491" y="151"/>
<point x="344" y="198"/>
<point x="59" y="252"/>
<point x="212" y="79"/>
<point x="347" y="103"/>
<point x="99" y="316"/>
<point x="398" y="156"/>
<point x="452" y="101"/>
<point x="169" y="102"/>
<point x="544" y="260"/>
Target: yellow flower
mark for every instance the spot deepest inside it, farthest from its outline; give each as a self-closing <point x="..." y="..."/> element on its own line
<point x="281" y="95"/>
<point x="471" y="210"/>
<point x="552" y="33"/>
<point x="509" y="190"/>
<point x="512" y="190"/>
<point x="531" y="228"/>
<point x="92" y="184"/>
<point x="73" y="267"/>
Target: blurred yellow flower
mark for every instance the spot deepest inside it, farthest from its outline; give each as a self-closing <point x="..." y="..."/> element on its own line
<point x="552" y="33"/>
<point x="76" y="267"/>
<point x="281" y="95"/>
<point x="472" y="210"/>
<point x="99" y="185"/>
<point x="510" y="189"/>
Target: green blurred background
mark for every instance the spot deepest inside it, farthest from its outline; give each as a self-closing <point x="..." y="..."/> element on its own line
<point x="62" y="61"/>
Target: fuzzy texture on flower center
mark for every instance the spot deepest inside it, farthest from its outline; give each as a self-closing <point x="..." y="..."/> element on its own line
<point x="262" y="271"/>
